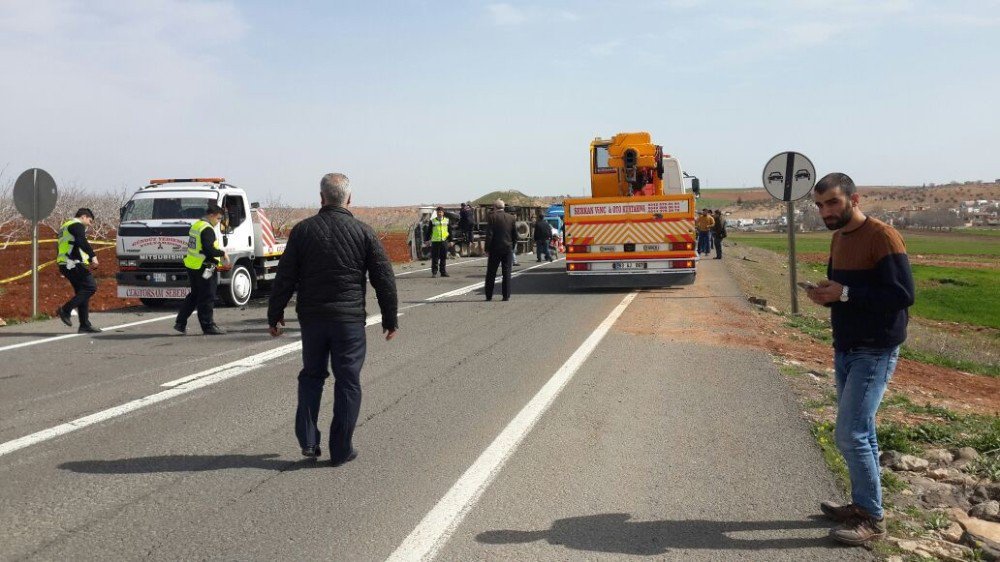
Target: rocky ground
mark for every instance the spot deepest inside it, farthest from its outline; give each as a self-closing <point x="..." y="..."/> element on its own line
<point x="943" y="500"/>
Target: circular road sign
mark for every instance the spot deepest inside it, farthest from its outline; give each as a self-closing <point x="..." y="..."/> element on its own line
<point x="35" y="194"/>
<point x="789" y="176"/>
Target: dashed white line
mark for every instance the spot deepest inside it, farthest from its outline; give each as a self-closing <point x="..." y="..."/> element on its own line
<point x="437" y="526"/>
<point x="67" y="336"/>
<point x="188" y="383"/>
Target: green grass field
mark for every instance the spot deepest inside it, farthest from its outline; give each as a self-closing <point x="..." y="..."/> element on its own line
<point x="965" y="295"/>
<point x="969" y="296"/>
<point x="925" y="243"/>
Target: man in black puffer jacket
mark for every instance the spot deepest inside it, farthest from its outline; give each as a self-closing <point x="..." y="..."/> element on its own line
<point x="326" y="261"/>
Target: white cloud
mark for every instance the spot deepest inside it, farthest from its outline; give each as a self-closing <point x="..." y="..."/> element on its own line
<point x="506" y="14"/>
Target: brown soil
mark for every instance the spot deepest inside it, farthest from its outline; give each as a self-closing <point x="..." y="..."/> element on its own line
<point x="54" y="289"/>
<point x="940" y="261"/>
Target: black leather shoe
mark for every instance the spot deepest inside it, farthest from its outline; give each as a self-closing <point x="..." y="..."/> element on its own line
<point x="88" y="329"/>
<point x="350" y="457"/>
<point x="213" y="330"/>
<point x="445" y="275"/>
<point x="488" y="299"/>
<point x="180" y="328"/>
<point x="64" y="316"/>
<point x="312" y="452"/>
<point x="506" y="299"/>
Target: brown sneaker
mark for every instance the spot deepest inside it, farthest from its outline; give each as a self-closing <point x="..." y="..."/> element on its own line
<point x="860" y="530"/>
<point x="839" y="513"/>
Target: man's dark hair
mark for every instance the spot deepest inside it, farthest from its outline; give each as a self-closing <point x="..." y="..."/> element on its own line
<point x="84" y="212"/>
<point x="439" y="209"/>
<point x="835" y="180"/>
<point x="213" y="209"/>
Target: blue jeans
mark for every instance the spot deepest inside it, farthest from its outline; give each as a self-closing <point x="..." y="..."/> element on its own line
<point x="862" y="375"/>
<point x="341" y="345"/>
<point x="704" y="242"/>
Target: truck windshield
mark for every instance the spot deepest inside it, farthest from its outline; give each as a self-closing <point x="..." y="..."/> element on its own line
<point x="165" y="208"/>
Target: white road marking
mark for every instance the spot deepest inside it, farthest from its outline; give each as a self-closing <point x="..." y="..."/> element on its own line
<point x="481" y="284"/>
<point x="147" y="321"/>
<point x="433" y="531"/>
<point x="186" y="384"/>
<point x="182" y="386"/>
<point x="254" y="361"/>
<point x="67" y="336"/>
<point x="453" y="264"/>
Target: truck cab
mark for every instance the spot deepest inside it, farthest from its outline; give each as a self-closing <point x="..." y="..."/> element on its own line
<point x="153" y="238"/>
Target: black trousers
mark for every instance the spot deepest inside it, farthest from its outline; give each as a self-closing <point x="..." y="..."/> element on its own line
<point x="343" y="346"/>
<point x="505" y="260"/>
<point x="439" y="255"/>
<point x="717" y="242"/>
<point x="84" y="287"/>
<point x="202" y="297"/>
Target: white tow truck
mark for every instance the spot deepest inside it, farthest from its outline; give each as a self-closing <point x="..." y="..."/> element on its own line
<point x="153" y="239"/>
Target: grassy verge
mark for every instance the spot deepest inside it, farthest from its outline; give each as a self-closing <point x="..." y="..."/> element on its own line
<point x="931" y="358"/>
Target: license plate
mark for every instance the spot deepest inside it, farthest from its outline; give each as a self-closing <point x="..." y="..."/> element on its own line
<point x="159" y="278"/>
<point x="629" y="265"/>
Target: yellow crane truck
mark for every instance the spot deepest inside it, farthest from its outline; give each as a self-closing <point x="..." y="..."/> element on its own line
<point x="637" y="228"/>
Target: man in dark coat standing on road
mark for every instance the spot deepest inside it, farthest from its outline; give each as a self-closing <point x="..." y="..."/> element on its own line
<point x="501" y="235"/>
<point x="327" y="260"/>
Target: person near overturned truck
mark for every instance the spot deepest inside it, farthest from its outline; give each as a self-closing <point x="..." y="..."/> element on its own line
<point x="704" y="225"/>
<point x="327" y="262"/>
<point x="439" y="236"/>
<point x="542" y="236"/>
<point x="75" y="258"/>
<point x="718" y="232"/>
<point x="202" y="260"/>
<point x="868" y="290"/>
<point x="501" y="236"/>
<point x="466" y="224"/>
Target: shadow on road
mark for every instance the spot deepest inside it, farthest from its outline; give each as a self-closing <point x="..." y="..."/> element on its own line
<point x="189" y="463"/>
<point x="614" y="533"/>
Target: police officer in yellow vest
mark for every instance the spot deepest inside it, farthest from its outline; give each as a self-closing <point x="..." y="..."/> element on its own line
<point x="75" y="256"/>
<point x="203" y="256"/>
<point x="439" y="243"/>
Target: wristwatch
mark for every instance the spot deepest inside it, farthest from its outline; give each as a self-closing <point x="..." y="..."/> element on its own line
<point x="843" y="294"/>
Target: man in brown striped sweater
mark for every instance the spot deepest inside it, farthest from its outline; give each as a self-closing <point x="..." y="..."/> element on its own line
<point x="868" y="290"/>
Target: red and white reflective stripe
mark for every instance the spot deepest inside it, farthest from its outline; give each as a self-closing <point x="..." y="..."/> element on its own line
<point x="266" y="232"/>
<point x="637" y="232"/>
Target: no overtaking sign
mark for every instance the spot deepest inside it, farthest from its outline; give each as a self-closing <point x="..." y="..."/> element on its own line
<point x="789" y="176"/>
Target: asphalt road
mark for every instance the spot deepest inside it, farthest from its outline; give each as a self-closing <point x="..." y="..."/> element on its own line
<point x="544" y="428"/>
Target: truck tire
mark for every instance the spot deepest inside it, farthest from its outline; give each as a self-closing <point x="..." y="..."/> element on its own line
<point x="237" y="292"/>
<point x="523" y="229"/>
<point x="153" y="303"/>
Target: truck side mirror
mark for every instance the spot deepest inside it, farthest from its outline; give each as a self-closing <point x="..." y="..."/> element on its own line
<point x="121" y="213"/>
<point x="696" y="186"/>
<point x="255" y="205"/>
<point x="225" y="239"/>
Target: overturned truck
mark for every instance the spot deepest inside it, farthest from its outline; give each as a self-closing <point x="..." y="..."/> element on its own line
<point x="419" y="233"/>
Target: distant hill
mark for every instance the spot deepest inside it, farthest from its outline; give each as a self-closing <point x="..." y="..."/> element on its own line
<point x="510" y="197"/>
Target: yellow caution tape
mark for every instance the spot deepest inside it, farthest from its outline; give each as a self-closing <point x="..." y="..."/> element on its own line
<point x="40" y="267"/>
<point x="26" y="242"/>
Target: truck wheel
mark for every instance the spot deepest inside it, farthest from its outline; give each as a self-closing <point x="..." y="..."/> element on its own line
<point x="237" y="292"/>
<point x="153" y="303"/>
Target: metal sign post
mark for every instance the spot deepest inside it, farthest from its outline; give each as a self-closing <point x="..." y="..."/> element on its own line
<point x="35" y="196"/>
<point x="788" y="177"/>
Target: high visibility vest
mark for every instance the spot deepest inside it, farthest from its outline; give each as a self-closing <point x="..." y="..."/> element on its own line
<point x="439" y="229"/>
<point x="66" y="246"/>
<point x="195" y="258"/>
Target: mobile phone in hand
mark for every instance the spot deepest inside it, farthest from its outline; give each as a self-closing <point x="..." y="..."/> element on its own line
<point x="807" y="285"/>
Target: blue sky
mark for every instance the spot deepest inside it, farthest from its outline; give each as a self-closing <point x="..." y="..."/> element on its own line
<point x="421" y="101"/>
